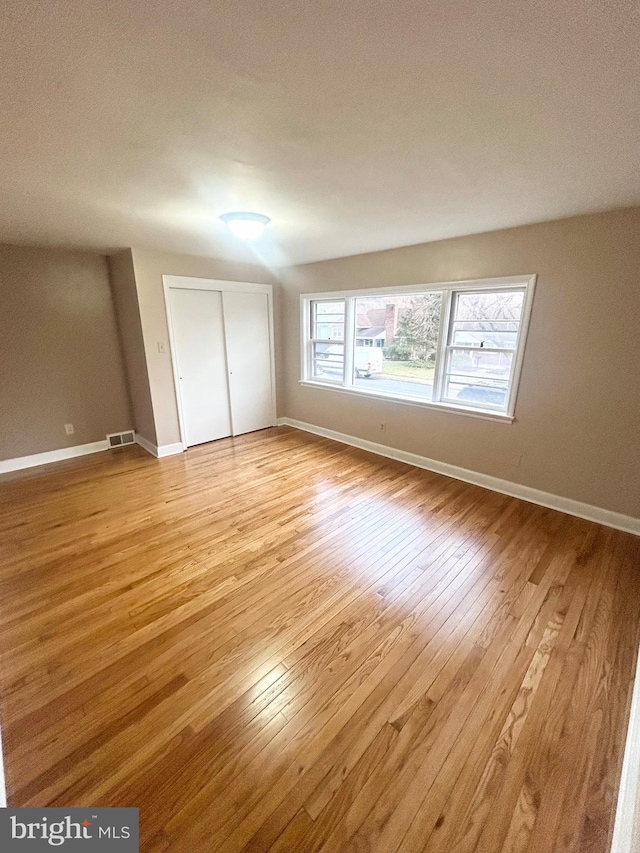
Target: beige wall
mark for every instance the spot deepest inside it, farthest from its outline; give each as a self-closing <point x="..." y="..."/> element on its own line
<point x="60" y="357"/>
<point x="150" y="265"/>
<point x="125" y="296"/>
<point x="577" y="428"/>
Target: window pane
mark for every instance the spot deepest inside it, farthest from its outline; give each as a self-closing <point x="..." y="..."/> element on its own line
<point x="328" y="331"/>
<point x="488" y="319"/>
<point x="328" y="362"/>
<point x="395" y="340"/>
<point x="327" y="320"/>
<point x="490" y="305"/>
<point x="331" y="308"/>
<point x="502" y="334"/>
<point x="478" y="378"/>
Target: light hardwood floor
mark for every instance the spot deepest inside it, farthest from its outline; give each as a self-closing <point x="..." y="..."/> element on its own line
<point x="278" y="643"/>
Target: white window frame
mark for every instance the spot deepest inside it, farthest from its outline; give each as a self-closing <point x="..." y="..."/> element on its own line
<point x="311" y="341"/>
<point x="449" y="289"/>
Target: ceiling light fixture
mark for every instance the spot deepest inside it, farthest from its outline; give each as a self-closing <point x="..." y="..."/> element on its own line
<point x="247" y="226"/>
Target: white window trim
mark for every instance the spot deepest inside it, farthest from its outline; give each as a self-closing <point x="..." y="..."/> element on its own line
<point x="447" y="288"/>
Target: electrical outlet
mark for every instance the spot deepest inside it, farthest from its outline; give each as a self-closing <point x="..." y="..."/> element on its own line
<point x="383" y="427"/>
<point x="68" y="428"/>
<point x="162" y="347"/>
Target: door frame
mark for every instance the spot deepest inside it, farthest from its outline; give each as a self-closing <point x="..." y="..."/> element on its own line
<point x="182" y="282"/>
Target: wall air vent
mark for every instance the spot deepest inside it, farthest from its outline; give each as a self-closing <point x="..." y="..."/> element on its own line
<point x="117" y="439"/>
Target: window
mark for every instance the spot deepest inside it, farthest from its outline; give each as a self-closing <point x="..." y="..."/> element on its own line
<point x="482" y="339"/>
<point x="457" y="345"/>
<point x="327" y="339"/>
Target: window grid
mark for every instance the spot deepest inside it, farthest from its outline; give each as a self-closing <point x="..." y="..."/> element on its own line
<point x="327" y="353"/>
<point x="483" y="391"/>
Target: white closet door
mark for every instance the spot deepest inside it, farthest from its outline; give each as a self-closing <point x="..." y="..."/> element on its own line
<point x="246" y="321"/>
<point x="198" y="335"/>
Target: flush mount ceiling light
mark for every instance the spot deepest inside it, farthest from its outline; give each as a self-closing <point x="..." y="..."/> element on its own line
<point x="247" y="226"/>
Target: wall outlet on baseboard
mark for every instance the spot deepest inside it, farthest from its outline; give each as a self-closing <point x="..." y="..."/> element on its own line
<point x="68" y="428"/>
<point x="383" y="426"/>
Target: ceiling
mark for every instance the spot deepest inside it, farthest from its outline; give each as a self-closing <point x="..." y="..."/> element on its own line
<point x="356" y="125"/>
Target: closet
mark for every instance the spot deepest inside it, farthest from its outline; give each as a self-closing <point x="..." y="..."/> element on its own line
<point x="221" y="348"/>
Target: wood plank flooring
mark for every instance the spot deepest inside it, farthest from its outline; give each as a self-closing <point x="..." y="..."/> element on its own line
<point x="278" y="643"/>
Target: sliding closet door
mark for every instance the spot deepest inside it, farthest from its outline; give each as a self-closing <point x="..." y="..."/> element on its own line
<point x="198" y="336"/>
<point x="246" y="320"/>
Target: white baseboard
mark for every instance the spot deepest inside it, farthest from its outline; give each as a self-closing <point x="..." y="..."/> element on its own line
<point x="171" y="449"/>
<point x="3" y="787"/>
<point x="146" y="445"/>
<point x="506" y="487"/>
<point x="52" y="456"/>
<point x="163" y="450"/>
<point x="626" y="830"/>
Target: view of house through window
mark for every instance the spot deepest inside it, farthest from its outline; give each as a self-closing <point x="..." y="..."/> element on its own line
<point x="456" y="346"/>
<point x="396" y="340"/>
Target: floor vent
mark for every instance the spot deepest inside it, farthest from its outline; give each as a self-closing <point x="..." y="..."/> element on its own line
<point x="117" y="439"/>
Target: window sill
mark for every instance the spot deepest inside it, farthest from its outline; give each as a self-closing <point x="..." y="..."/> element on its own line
<point x="500" y="417"/>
